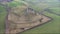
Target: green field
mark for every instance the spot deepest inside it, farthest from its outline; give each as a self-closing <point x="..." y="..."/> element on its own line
<point x="2" y="19"/>
<point x="51" y="27"/>
<point x="55" y="10"/>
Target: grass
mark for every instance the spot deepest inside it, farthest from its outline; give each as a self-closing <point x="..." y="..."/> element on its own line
<point x="2" y="19"/>
<point x="15" y="4"/>
<point x="49" y="28"/>
<point x="2" y="23"/>
<point x="56" y="10"/>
